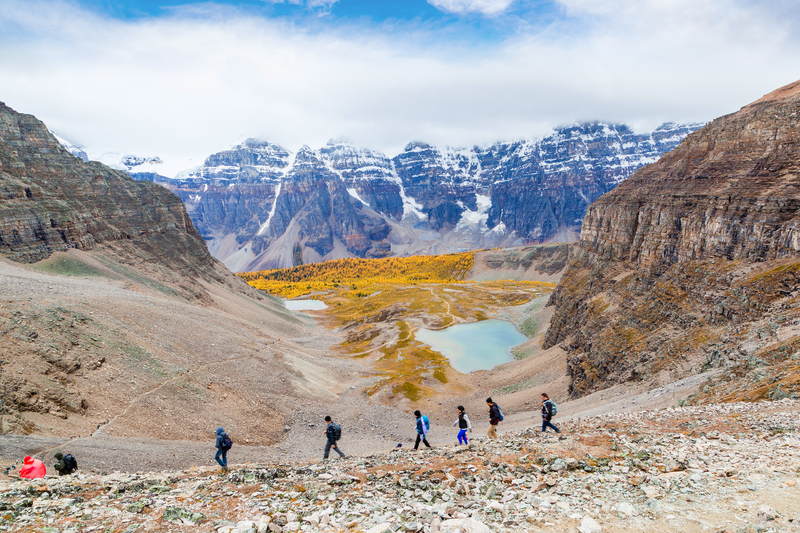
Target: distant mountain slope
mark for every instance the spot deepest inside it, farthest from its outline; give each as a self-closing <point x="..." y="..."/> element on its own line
<point x="260" y="206"/>
<point x="693" y="263"/>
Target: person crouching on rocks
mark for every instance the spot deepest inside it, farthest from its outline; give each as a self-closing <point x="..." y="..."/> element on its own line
<point x="423" y="426"/>
<point x="463" y="424"/>
<point x="66" y="464"/>
<point x="333" y="432"/>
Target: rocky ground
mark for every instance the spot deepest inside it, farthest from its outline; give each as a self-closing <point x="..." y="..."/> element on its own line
<point x="726" y="467"/>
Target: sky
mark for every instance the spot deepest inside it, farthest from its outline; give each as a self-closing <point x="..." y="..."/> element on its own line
<point x="181" y="80"/>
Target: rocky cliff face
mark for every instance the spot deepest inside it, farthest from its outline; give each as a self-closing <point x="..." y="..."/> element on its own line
<point x="53" y="201"/>
<point x="692" y="263"/>
<point x="260" y="206"/>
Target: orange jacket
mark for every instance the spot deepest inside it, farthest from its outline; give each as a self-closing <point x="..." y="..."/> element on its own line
<point x="32" y="468"/>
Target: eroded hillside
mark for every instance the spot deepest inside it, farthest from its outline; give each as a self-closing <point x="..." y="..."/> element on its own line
<point x="692" y="264"/>
<point x="116" y="321"/>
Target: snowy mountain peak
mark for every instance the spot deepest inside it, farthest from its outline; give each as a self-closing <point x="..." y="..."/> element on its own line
<point x="77" y="151"/>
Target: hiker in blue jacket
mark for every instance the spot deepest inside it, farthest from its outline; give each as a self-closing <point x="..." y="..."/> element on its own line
<point x="422" y="429"/>
<point x="547" y="413"/>
<point x="222" y="451"/>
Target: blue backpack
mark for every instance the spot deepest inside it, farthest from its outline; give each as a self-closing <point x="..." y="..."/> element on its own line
<point x="499" y="413"/>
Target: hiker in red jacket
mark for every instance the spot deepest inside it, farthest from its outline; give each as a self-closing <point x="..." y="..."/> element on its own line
<point x="32" y="468"/>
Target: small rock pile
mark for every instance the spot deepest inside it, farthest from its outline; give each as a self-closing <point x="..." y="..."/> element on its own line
<point x="728" y="467"/>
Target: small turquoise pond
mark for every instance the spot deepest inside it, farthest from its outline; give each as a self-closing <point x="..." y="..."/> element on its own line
<point x="304" y="305"/>
<point x="477" y="346"/>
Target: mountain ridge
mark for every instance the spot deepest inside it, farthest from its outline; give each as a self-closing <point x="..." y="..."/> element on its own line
<point x="258" y="202"/>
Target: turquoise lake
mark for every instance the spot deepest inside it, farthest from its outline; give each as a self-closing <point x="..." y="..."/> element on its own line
<point x="476" y="346"/>
<point x="304" y="305"/>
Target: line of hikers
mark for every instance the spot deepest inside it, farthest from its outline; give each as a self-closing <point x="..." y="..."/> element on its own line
<point x="333" y="431"/>
<point x="67" y="464"/>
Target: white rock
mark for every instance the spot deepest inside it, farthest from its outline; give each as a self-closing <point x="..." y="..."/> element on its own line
<point x="464" y="525"/>
<point x="625" y="510"/>
<point x="497" y="506"/>
<point x="263" y="523"/>
<point x="380" y="528"/>
<point x="589" y="525"/>
<point x="246" y="525"/>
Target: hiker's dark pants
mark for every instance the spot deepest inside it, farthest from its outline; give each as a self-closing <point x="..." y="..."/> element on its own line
<point x="328" y="446"/>
<point x="222" y="457"/>
<point x="423" y="439"/>
<point x="546" y="423"/>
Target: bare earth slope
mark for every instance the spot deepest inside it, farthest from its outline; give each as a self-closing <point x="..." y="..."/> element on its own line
<point x="693" y="264"/>
<point x="115" y="320"/>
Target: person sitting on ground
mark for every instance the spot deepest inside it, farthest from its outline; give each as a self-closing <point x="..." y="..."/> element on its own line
<point x="547" y="413"/>
<point x="463" y="424"/>
<point x="332" y="432"/>
<point x="32" y="468"/>
<point x="66" y="464"/>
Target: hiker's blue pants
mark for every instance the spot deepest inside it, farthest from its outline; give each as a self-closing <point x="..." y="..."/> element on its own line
<point x="462" y="436"/>
<point x="222" y="457"/>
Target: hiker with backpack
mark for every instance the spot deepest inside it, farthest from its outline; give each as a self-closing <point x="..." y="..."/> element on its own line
<point x="423" y="427"/>
<point x="333" y="432"/>
<point x="224" y="443"/>
<point x="463" y="424"/>
<point x="549" y="410"/>
<point x="66" y="464"/>
<point x="495" y="417"/>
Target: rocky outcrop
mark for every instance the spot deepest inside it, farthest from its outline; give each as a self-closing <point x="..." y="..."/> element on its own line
<point x="681" y="264"/>
<point x="257" y="203"/>
<point x="53" y="201"/>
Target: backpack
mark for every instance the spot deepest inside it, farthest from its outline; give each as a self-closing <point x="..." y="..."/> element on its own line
<point x="427" y="423"/>
<point x="499" y="413"/>
<point x="226" y="442"/>
<point x="337" y="431"/>
<point x="553" y="408"/>
<point x="71" y="463"/>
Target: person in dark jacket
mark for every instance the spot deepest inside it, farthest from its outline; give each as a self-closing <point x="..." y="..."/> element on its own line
<point x="330" y="433"/>
<point x="222" y="454"/>
<point x="422" y="431"/>
<point x="463" y="424"/>
<point x="61" y="466"/>
<point x="547" y="413"/>
<point x="494" y="418"/>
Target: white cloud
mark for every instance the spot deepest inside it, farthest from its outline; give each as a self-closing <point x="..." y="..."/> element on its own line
<point x="185" y="86"/>
<point x="323" y="6"/>
<point x="485" y="7"/>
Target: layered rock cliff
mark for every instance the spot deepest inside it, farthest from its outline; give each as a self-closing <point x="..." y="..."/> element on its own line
<point x="260" y="206"/>
<point x="53" y="201"/>
<point x="693" y="263"/>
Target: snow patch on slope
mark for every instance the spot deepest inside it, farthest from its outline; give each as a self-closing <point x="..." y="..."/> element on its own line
<point x="354" y="194"/>
<point x="475" y="220"/>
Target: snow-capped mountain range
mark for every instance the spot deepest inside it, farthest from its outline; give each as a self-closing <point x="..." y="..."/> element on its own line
<point x="258" y="203"/>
